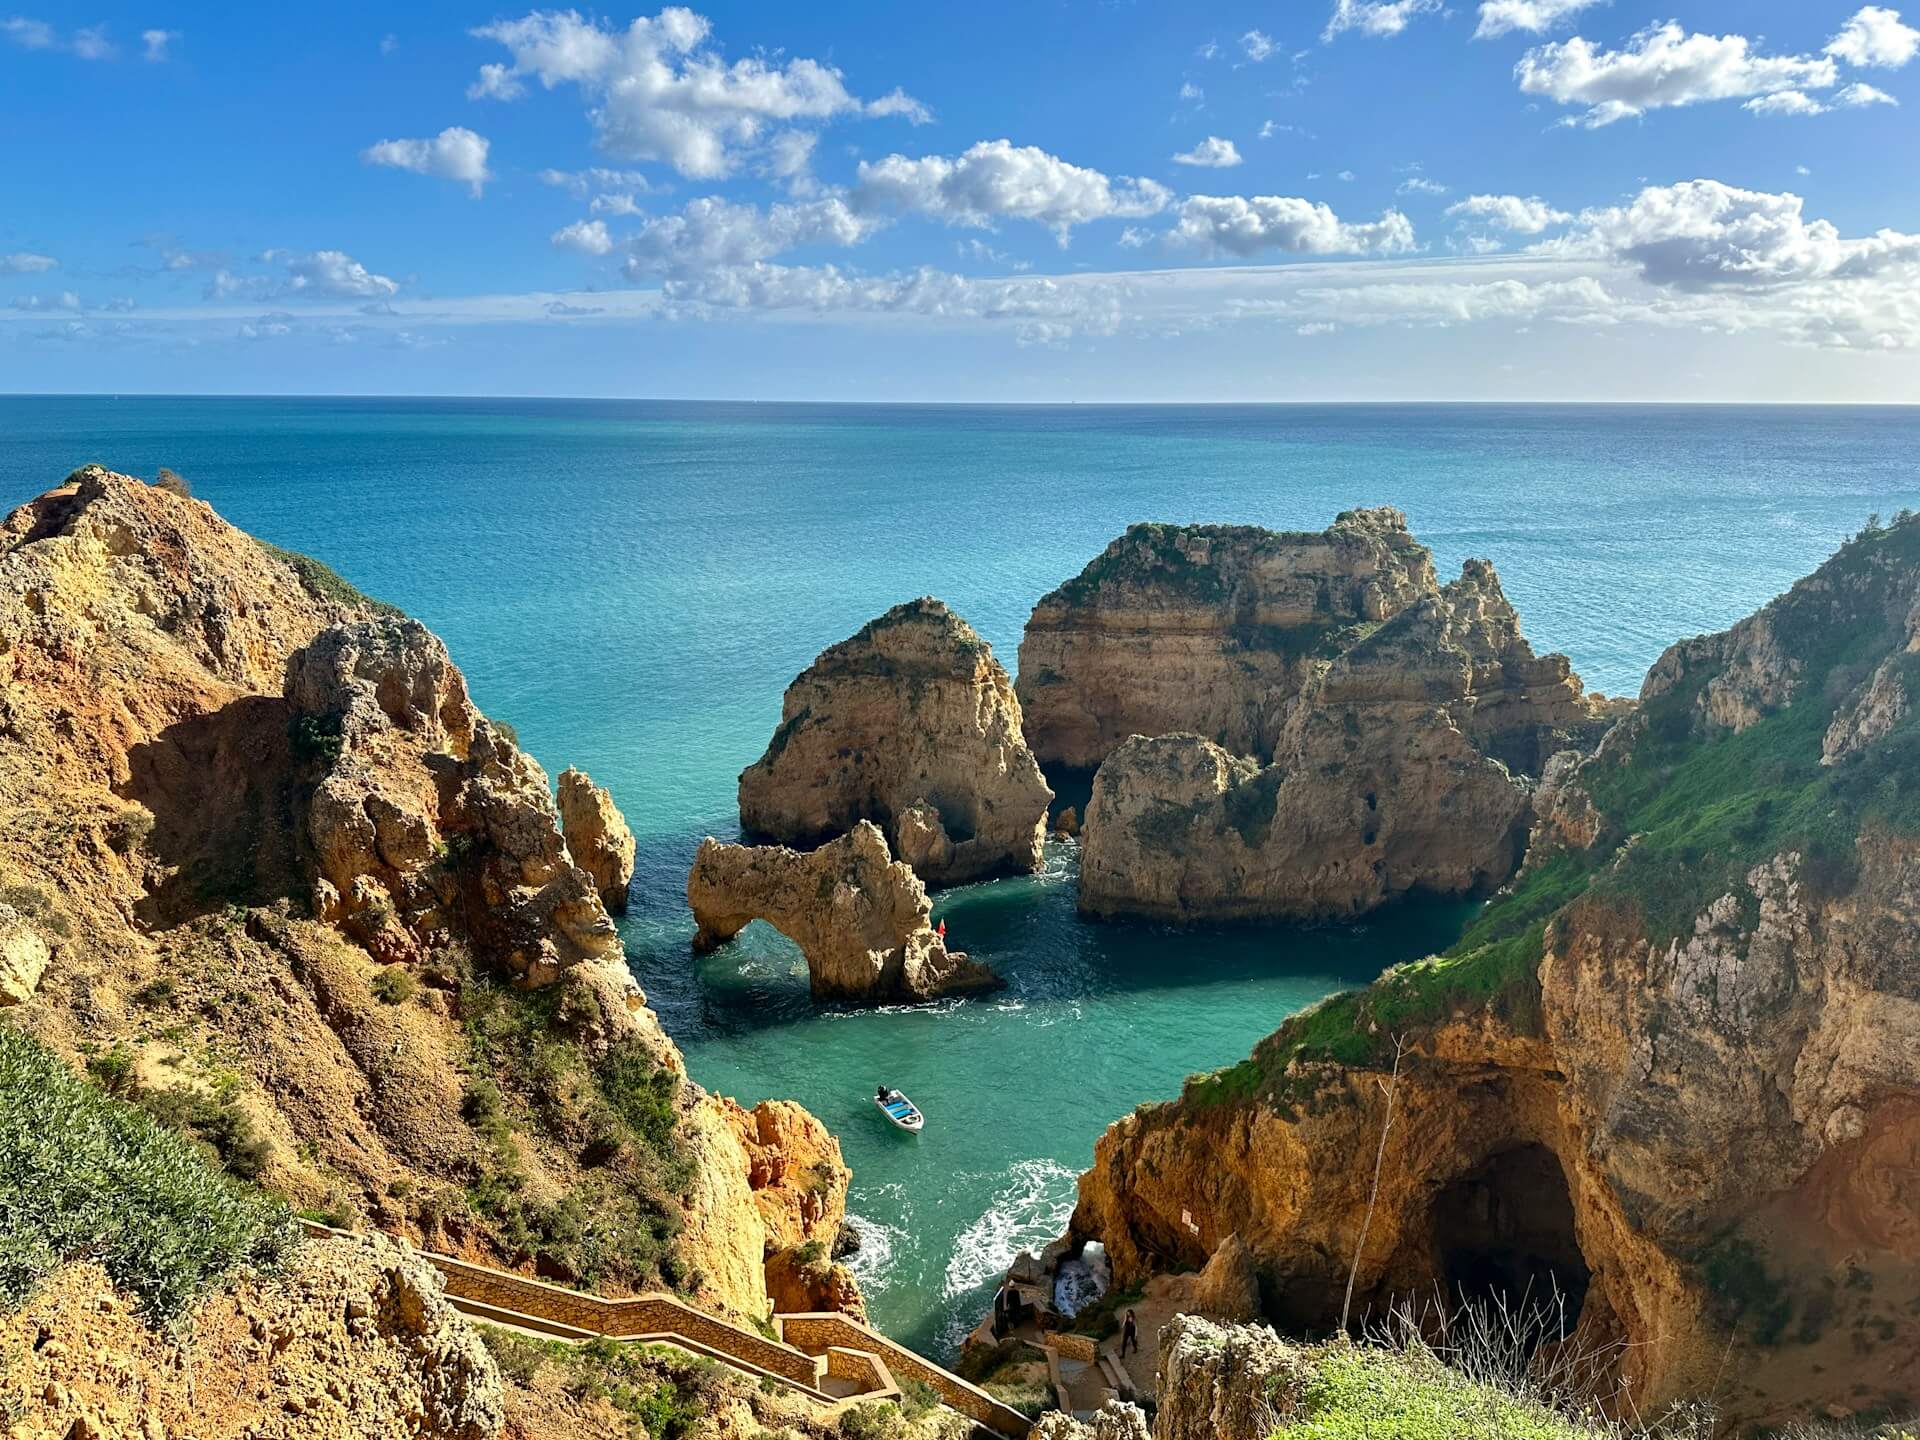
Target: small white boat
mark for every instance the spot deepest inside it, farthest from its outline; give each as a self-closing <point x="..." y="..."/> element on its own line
<point x="900" y="1111"/>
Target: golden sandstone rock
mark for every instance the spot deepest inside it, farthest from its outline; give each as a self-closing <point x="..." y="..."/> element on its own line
<point x="913" y="725"/>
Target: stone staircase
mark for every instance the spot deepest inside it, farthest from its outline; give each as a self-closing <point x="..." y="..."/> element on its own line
<point x="830" y="1359"/>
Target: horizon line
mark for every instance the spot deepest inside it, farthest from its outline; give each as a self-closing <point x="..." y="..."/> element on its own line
<point x="6" y="395"/>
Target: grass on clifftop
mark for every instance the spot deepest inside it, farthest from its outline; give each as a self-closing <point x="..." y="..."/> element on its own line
<point x="85" y="1176"/>
<point x="326" y="584"/>
<point x="1687" y="815"/>
<point x="1373" y="1393"/>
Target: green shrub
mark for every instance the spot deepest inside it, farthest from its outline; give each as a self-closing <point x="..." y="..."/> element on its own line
<point x="173" y="483"/>
<point x="918" y="1398"/>
<point x="83" y="1174"/>
<point x="37" y="905"/>
<point x="316" y="739"/>
<point x="321" y="582"/>
<point x="395" y="985"/>
<point x="129" y="830"/>
<point x="876" y="1420"/>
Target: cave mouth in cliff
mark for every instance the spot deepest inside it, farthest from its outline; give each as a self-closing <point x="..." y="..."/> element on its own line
<point x="1503" y="1234"/>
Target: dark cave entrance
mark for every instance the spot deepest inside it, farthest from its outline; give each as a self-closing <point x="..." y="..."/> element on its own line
<point x="1504" y="1234"/>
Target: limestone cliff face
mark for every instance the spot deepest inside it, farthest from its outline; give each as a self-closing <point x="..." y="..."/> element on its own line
<point x="1216" y="629"/>
<point x="354" y="1340"/>
<point x="799" y="1183"/>
<point x="1390" y="773"/>
<point x="597" y="837"/>
<point x="860" y="917"/>
<point x="1669" y="1071"/>
<point x="254" y="833"/>
<point x="913" y="725"/>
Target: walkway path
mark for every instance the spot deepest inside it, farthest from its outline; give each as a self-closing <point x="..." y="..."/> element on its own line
<point x="829" y="1358"/>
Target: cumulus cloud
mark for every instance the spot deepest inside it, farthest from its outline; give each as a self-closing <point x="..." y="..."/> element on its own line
<point x="24" y="262"/>
<point x="65" y="300"/>
<point x="995" y="180"/>
<point x="1376" y="17"/>
<point x="1798" y="102"/>
<point x="1419" y="185"/>
<point x="1212" y="153"/>
<point x="1498" y="17"/>
<point x="579" y="182"/>
<point x="658" y="91"/>
<point x="456" y="153"/>
<point x="315" y="274"/>
<point x="715" y="234"/>
<point x="1702" y="234"/>
<point x="1523" y="215"/>
<point x="1246" y="226"/>
<point x="1875" y="36"/>
<point x="584" y="237"/>
<point x="1663" y="66"/>
<point x="1257" y="45"/>
<point x="154" y="45"/>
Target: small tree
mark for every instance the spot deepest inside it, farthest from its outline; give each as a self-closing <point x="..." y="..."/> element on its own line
<point x="173" y="483"/>
<point x="1389" y="1087"/>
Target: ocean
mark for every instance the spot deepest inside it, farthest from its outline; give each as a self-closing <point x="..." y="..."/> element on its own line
<point x="633" y="584"/>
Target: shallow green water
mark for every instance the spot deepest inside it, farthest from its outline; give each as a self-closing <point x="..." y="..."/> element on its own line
<point x="632" y="585"/>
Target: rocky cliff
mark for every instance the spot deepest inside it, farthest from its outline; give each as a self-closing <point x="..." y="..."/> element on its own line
<point x="1393" y="769"/>
<point x="597" y="837"/>
<point x="860" y="917"/>
<point x="266" y="869"/>
<point x="1668" y="1072"/>
<point x="913" y="725"/>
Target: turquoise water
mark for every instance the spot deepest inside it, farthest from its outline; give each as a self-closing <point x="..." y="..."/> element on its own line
<point x="633" y="584"/>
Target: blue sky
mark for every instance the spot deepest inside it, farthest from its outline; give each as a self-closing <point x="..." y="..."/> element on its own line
<point x="1317" y="199"/>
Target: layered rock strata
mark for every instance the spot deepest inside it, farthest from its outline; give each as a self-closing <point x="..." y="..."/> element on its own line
<point x="861" y="918"/>
<point x="1389" y="775"/>
<point x="1215" y="630"/>
<point x="913" y="725"/>
<point x="1663" y="1079"/>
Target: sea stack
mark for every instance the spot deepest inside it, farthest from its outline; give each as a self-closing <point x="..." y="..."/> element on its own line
<point x="860" y="917"/>
<point x="1359" y="732"/>
<point x="913" y="725"/>
<point x="597" y="837"/>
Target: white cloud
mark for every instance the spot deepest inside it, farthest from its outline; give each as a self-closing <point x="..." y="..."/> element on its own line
<point x="316" y="274"/>
<point x="1191" y="91"/>
<point x="579" y="182"/>
<point x="1798" y="102"/>
<point x="1702" y="234"/>
<point x="1455" y="302"/>
<point x="1420" y="185"/>
<point x="1498" y="17"/>
<point x="1523" y="215"/>
<point x="615" y="203"/>
<point x="456" y="153"/>
<point x="715" y="234"/>
<point x="1875" y="36"/>
<point x="657" y="92"/>
<point x="24" y="262"/>
<point x="90" y="42"/>
<point x="65" y="300"/>
<point x="1376" y="17"/>
<point x="584" y="237"/>
<point x="155" y="44"/>
<point x="1252" y="225"/>
<point x="996" y="179"/>
<point x="1257" y="45"/>
<point x="1663" y="66"/>
<point x="1212" y="153"/>
<point x="496" y="82"/>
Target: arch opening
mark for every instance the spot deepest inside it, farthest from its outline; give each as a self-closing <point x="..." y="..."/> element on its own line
<point x="1503" y="1234"/>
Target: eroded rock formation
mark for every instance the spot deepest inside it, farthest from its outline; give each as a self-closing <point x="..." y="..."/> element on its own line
<point x="913" y="725"/>
<point x="1393" y="770"/>
<point x="354" y="1339"/>
<point x="1668" y="1076"/>
<point x="860" y="917"/>
<point x="597" y="837"/>
<point x="263" y="838"/>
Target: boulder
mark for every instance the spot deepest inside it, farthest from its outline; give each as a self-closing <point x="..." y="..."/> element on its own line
<point x="597" y="837"/>
<point x="1221" y="1382"/>
<point x="24" y="956"/>
<point x="861" y="918"/>
<point x="913" y="725"/>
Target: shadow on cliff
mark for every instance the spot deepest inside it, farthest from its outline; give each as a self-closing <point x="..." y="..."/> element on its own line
<point x="220" y="786"/>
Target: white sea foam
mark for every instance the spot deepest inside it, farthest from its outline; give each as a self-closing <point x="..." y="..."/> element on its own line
<point x="1029" y="1212"/>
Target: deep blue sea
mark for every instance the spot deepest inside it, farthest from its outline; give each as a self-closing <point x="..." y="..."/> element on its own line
<point x="632" y="585"/>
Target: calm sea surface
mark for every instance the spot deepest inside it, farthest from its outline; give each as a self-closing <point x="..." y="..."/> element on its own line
<point x="633" y="584"/>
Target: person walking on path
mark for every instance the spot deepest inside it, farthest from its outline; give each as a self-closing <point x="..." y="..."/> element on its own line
<point x="1129" y="1336"/>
